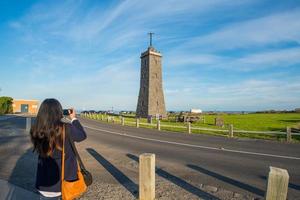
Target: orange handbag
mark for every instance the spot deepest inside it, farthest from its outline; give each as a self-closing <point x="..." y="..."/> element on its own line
<point x="71" y="189"/>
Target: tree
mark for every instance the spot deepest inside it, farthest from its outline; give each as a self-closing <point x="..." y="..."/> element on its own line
<point x="6" y="105"/>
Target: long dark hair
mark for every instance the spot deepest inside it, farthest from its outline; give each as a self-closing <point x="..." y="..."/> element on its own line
<point x="46" y="131"/>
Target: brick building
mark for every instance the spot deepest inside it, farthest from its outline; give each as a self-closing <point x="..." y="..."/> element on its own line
<point x="25" y="106"/>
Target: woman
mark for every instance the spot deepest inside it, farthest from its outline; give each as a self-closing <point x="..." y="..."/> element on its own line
<point x="46" y="136"/>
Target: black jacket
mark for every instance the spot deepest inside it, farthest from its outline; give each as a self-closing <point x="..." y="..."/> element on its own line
<point x="48" y="177"/>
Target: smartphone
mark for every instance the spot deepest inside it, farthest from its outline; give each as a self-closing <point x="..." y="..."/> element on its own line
<point x="67" y="111"/>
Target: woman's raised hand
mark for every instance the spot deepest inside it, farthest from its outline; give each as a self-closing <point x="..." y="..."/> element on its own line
<point x="72" y="113"/>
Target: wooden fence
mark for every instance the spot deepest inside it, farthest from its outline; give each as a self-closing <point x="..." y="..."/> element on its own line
<point x="189" y="128"/>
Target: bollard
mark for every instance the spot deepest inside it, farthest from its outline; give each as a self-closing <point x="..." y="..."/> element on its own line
<point x="113" y="119"/>
<point x="101" y="117"/>
<point x="137" y="122"/>
<point x="28" y="124"/>
<point x="122" y="121"/>
<point x="107" y="118"/>
<point x="158" y="124"/>
<point x="277" y="185"/>
<point x="149" y="120"/>
<point x="288" y="134"/>
<point x="189" y="127"/>
<point x="231" y="130"/>
<point x="147" y="176"/>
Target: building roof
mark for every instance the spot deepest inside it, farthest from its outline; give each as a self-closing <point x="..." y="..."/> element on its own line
<point x="25" y="100"/>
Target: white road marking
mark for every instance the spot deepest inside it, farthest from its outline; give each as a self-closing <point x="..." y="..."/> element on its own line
<point x="192" y="145"/>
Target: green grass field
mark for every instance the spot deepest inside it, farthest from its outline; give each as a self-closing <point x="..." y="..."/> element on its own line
<point x="256" y="122"/>
<point x="248" y="122"/>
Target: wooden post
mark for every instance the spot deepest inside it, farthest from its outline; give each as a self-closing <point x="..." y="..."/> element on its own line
<point x="149" y="119"/>
<point x="288" y="134"/>
<point x="147" y="176"/>
<point x="231" y="130"/>
<point x="122" y="121"/>
<point x="277" y="186"/>
<point x="158" y="124"/>
<point x="137" y="123"/>
<point x="189" y="127"/>
<point x="28" y="124"/>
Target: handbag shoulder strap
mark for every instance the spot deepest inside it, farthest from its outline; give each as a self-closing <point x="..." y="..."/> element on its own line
<point x="82" y="167"/>
<point x="63" y="154"/>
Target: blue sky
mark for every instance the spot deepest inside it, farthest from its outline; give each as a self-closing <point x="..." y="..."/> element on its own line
<point x="217" y="55"/>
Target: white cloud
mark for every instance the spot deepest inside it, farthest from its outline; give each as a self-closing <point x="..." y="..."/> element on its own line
<point x="273" y="59"/>
<point x="252" y="94"/>
<point x="280" y="27"/>
<point x="282" y="58"/>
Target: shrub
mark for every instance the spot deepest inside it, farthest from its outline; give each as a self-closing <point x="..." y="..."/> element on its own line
<point x="6" y="105"/>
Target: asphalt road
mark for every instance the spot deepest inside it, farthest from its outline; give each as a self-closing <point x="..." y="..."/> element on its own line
<point x="238" y="165"/>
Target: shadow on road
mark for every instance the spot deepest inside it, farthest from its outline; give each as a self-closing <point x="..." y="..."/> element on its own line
<point x="291" y="185"/>
<point x="115" y="172"/>
<point x="178" y="181"/>
<point x="228" y="180"/>
<point x="21" y="183"/>
<point x="24" y="172"/>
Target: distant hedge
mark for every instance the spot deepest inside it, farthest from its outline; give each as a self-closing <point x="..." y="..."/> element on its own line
<point x="6" y="105"/>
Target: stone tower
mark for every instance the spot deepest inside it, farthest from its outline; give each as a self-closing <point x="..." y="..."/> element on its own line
<point x="151" y="96"/>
